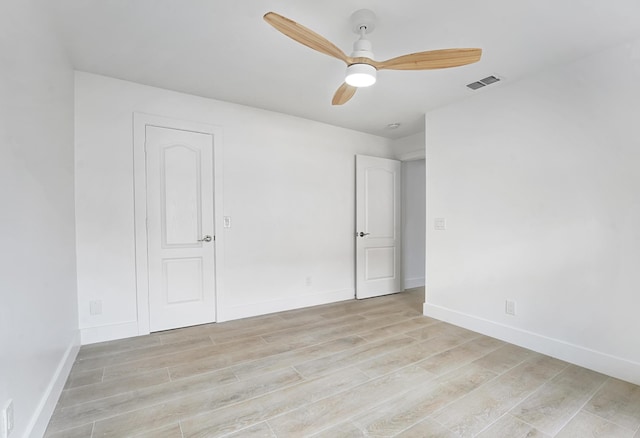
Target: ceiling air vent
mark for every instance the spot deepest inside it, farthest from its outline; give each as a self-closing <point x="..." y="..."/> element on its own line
<point x="483" y="82"/>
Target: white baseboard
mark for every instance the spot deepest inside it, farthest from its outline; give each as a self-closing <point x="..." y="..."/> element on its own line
<point x="410" y="283"/>
<point x="91" y="335"/>
<point x="585" y="357"/>
<point x="262" y="308"/>
<point x="40" y="419"/>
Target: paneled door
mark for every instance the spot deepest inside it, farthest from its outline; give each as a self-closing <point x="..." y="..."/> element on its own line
<point x="378" y="227"/>
<point x="180" y="227"/>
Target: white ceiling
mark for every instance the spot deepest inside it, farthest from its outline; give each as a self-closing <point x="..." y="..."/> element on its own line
<point x="223" y="49"/>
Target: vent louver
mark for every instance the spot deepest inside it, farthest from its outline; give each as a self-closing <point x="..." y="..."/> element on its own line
<point x="483" y="82"/>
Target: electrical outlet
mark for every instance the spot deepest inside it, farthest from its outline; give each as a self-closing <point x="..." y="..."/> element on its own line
<point x="7" y="419"/>
<point x="95" y="307"/>
<point x="510" y="307"/>
<point x="440" y="224"/>
<point x="308" y="281"/>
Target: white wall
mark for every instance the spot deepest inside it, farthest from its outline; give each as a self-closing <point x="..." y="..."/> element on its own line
<point x="413" y="222"/>
<point x="410" y="147"/>
<point x="539" y="183"/>
<point x="288" y="184"/>
<point x="38" y="313"/>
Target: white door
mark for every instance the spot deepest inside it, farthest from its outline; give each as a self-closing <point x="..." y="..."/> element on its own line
<point x="180" y="227"/>
<point x="378" y="227"/>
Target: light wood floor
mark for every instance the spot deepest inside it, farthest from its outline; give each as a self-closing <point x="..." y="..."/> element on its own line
<point x="358" y="368"/>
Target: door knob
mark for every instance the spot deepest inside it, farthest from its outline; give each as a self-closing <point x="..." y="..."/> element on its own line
<point x="206" y="238"/>
<point x="362" y="234"/>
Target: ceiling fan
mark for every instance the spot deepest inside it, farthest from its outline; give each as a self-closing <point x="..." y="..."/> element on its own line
<point x="361" y="67"/>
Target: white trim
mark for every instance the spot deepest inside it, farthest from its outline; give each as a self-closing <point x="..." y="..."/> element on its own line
<point x="410" y="283"/>
<point x="282" y="304"/>
<point x="140" y="121"/>
<point x="42" y="415"/>
<point x="91" y="335"/>
<point x="140" y="221"/>
<point x="413" y="155"/>
<point x="596" y="360"/>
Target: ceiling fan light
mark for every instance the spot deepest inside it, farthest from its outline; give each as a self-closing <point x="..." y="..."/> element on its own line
<point x="360" y="75"/>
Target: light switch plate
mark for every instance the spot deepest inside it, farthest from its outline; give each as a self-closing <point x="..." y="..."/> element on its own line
<point x="226" y="221"/>
<point x="440" y="224"/>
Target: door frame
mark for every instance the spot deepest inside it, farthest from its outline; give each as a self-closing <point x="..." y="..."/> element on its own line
<point x="140" y="122"/>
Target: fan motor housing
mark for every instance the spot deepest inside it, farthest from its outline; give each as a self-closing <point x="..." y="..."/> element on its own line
<point x="362" y="49"/>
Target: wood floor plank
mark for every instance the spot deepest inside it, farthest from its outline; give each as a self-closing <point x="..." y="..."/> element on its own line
<point x="317" y="416"/>
<point x="439" y="329"/>
<point x="504" y="358"/>
<point x="409" y="355"/>
<point x="81" y="378"/>
<point x="398" y="328"/>
<point x="328" y="364"/>
<point x="219" y="331"/>
<point x="509" y="426"/>
<point x="618" y="402"/>
<point x="398" y="309"/>
<point x="586" y="424"/>
<point x="171" y="431"/>
<point x="295" y="357"/>
<point x="260" y="430"/>
<point x="172" y="358"/>
<point x="83" y="431"/>
<point x="342" y="430"/>
<point x="357" y="306"/>
<point x="262" y="408"/>
<point x="556" y="402"/>
<point x="176" y="409"/>
<point x="310" y="332"/>
<point x="77" y="415"/>
<point x="421" y="401"/>
<point x="475" y="411"/>
<point x="286" y="330"/>
<point x="109" y="348"/>
<point x="431" y="429"/>
<point x="96" y="391"/>
<point x="140" y="354"/>
<point x="331" y="331"/>
<point x="460" y="355"/>
<point x="224" y="359"/>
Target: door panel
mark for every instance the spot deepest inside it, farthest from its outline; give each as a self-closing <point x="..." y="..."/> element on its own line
<point x="180" y="214"/>
<point x="378" y="224"/>
<point x="379" y="186"/>
<point x="183" y="280"/>
<point x="180" y="198"/>
<point x="380" y="263"/>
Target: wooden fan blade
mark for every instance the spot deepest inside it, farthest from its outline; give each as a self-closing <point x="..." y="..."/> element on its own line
<point x="432" y="59"/>
<point x="343" y="94"/>
<point x="304" y="36"/>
